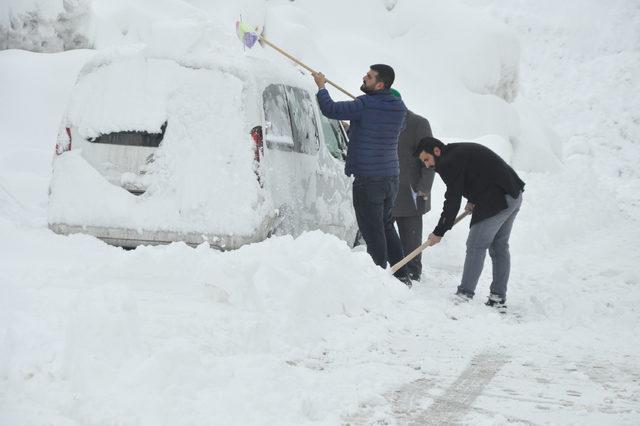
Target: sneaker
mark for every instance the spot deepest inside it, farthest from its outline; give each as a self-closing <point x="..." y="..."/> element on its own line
<point x="497" y="302"/>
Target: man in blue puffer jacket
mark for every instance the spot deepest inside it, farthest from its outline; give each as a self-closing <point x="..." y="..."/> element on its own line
<point x="376" y="119"/>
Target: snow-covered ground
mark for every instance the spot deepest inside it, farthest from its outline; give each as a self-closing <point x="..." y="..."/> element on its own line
<point x="307" y="331"/>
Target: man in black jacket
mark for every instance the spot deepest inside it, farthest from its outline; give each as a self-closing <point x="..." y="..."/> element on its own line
<point x="494" y="194"/>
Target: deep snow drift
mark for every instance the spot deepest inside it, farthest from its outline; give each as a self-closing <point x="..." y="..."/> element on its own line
<point x="308" y="331"/>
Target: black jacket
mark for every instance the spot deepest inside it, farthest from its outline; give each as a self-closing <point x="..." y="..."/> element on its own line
<point x="475" y="172"/>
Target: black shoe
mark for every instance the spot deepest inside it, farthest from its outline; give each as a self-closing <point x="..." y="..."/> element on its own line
<point x="414" y="276"/>
<point x="406" y="280"/>
<point x="497" y="302"/>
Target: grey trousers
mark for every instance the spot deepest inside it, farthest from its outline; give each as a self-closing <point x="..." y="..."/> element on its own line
<point x="410" y="231"/>
<point x="493" y="234"/>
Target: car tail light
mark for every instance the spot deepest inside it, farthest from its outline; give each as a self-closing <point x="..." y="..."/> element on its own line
<point x="64" y="145"/>
<point x="256" y="135"/>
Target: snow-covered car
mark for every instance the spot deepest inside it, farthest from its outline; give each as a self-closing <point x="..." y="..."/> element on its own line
<point x="230" y="151"/>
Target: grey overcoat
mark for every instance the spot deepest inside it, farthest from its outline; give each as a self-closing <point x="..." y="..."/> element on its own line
<point x="414" y="176"/>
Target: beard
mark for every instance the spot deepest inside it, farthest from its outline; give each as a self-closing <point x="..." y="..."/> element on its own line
<point x="436" y="161"/>
<point x="366" y="89"/>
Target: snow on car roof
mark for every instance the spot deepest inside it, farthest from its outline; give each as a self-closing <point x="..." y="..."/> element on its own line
<point x="128" y="87"/>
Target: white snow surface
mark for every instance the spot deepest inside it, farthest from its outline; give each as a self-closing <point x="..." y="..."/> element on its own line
<point x="306" y="330"/>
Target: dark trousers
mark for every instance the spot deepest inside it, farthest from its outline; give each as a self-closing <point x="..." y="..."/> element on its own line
<point x="373" y="199"/>
<point x="410" y="230"/>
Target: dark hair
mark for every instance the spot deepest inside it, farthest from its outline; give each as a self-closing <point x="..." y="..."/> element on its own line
<point x="386" y="75"/>
<point x="427" y="145"/>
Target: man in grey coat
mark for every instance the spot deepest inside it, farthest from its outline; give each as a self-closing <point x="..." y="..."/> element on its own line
<point x="414" y="193"/>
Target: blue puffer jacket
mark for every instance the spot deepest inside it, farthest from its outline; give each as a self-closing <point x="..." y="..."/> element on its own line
<point x="376" y="121"/>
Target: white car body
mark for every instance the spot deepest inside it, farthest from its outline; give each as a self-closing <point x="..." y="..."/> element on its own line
<point x="202" y="182"/>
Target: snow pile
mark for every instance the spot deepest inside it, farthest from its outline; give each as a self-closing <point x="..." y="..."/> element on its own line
<point x="211" y="331"/>
<point x="305" y="331"/>
<point x="45" y="26"/>
<point x="584" y="82"/>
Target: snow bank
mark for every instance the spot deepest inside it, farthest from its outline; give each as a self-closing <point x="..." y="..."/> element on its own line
<point x="45" y="26"/>
<point x="211" y="331"/>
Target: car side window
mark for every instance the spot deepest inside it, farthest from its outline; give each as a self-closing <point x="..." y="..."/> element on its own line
<point x="333" y="138"/>
<point x="277" y="132"/>
<point x="306" y="137"/>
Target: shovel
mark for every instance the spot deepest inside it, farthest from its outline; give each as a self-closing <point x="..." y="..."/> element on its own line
<point x="423" y="246"/>
<point x="249" y="37"/>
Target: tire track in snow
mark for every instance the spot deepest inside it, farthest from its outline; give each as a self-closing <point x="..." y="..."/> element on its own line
<point x="446" y="409"/>
<point x="460" y="395"/>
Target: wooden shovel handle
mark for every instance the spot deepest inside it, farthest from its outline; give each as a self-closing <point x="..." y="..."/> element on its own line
<point x="303" y="65"/>
<point x="421" y="247"/>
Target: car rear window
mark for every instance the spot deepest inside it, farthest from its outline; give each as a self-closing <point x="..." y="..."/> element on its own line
<point x="132" y="138"/>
